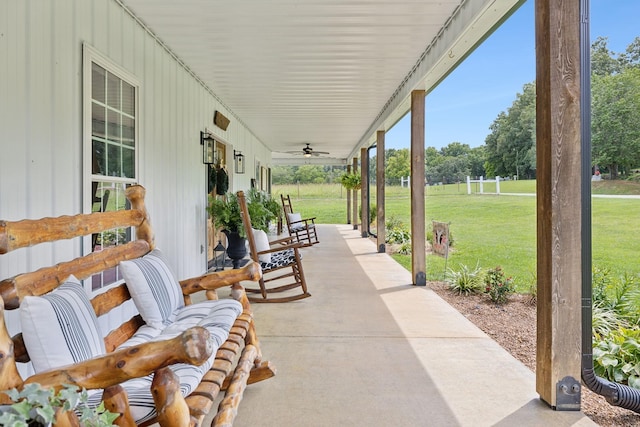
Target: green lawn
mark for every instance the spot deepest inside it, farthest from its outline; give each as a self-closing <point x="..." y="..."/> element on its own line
<point x="488" y="229"/>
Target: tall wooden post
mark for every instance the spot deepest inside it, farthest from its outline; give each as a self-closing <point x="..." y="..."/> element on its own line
<point x="364" y="193"/>
<point x="354" y="198"/>
<point x="380" y="179"/>
<point x="558" y="189"/>
<point x="348" y="199"/>
<point x="418" y="236"/>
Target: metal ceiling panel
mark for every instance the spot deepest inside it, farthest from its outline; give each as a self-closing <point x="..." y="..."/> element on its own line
<point x="327" y="73"/>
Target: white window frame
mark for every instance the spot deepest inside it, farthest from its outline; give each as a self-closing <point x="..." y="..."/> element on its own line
<point x="90" y="56"/>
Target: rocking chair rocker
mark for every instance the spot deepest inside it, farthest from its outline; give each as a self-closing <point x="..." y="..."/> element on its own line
<point x="279" y="259"/>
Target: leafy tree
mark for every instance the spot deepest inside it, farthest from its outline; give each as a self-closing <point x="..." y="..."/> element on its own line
<point x="631" y="57"/>
<point x="283" y="174"/>
<point x="615" y="122"/>
<point x="397" y="165"/>
<point x="509" y="145"/>
<point x="602" y="61"/>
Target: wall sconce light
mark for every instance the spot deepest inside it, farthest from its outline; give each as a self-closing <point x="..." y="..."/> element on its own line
<point x="239" y="161"/>
<point x="207" y="142"/>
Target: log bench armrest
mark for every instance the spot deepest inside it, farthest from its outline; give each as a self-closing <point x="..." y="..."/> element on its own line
<point x="220" y="279"/>
<point x="192" y="347"/>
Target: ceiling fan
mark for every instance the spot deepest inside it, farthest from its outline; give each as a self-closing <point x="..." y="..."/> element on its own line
<point x="307" y="151"/>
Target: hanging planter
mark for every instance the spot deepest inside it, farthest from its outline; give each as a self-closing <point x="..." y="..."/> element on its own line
<point x="351" y="181"/>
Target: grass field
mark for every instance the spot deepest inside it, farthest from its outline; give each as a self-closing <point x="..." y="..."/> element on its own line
<point x="488" y="229"/>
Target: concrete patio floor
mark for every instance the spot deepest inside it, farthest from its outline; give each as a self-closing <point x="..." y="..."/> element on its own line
<point x="370" y="349"/>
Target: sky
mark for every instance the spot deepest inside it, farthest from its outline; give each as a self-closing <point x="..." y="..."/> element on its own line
<point x="463" y="106"/>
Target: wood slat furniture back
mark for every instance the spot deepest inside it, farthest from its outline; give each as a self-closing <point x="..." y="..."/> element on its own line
<point x="238" y="361"/>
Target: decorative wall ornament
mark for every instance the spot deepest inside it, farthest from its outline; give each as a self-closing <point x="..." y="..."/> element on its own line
<point x="220" y="120"/>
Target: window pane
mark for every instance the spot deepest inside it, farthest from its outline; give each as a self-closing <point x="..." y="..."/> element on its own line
<point x="128" y="99"/>
<point x="113" y="160"/>
<point x="98" y="120"/>
<point x="128" y="163"/>
<point x="99" y="160"/>
<point x="114" y="126"/>
<point x="128" y="131"/>
<point x="97" y="82"/>
<point x="113" y="91"/>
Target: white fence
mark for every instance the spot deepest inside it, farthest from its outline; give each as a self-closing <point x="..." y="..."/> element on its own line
<point x="482" y="181"/>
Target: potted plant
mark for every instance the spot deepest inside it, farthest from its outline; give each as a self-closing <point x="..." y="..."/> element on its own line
<point x="225" y="213"/>
<point x="38" y="406"/>
<point x="351" y="181"/>
<point x="262" y="209"/>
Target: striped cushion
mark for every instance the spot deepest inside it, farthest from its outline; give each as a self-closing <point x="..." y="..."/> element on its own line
<point x="153" y="288"/>
<point x="216" y="316"/>
<point x="60" y="328"/>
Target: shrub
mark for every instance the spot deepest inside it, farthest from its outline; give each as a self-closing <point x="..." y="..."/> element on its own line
<point x="497" y="286"/>
<point x="373" y="211"/>
<point x="465" y="281"/>
<point x="616" y="357"/>
<point x="405" y="248"/>
<point x="604" y="322"/>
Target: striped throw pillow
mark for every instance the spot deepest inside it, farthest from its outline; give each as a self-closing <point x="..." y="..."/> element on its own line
<point x="60" y="328"/>
<point x="153" y="288"/>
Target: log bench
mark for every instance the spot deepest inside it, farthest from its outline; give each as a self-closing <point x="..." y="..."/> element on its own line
<point x="168" y="363"/>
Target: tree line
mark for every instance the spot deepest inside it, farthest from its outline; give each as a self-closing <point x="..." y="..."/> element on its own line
<point x="510" y="148"/>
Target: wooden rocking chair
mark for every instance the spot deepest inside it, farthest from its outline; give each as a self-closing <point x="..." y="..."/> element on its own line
<point x="303" y="229"/>
<point x="279" y="259"/>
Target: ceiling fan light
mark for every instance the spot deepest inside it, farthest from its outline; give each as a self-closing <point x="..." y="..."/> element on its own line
<point x="307" y="154"/>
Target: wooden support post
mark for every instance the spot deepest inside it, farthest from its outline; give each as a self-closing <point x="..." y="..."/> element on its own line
<point x="418" y="236"/>
<point x="380" y="180"/>
<point x="558" y="189"/>
<point x="364" y="192"/>
<point x="348" y="199"/>
<point x="354" y="198"/>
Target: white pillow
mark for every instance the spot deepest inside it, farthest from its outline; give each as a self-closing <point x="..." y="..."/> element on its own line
<point x="153" y="288"/>
<point x="60" y="328"/>
<point x="294" y="217"/>
<point x="262" y="244"/>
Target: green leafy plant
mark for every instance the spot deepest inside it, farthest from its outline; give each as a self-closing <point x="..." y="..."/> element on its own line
<point x="35" y="405"/>
<point x="397" y="232"/>
<point x="497" y="286"/>
<point x="225" y="211"/>
<point x="617" y="357"/>
<point x="372" y="213"/>
<point x="351" y="181"/>
<point x="262" y="208"/>
<point x="465" y="281"/>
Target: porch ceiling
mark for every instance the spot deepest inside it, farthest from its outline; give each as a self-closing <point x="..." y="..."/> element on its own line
<point x="325" y="72"/>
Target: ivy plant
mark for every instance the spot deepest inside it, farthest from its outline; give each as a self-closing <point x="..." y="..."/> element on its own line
<point x="35" y="405"/>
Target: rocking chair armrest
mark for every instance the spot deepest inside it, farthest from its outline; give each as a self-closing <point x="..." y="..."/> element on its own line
<point x="305" y="220"/>
<point x="281" y="248"/>
<point x="219" y="279"/>
<point x="192" y="346"/>
<point x="288" y="239"/>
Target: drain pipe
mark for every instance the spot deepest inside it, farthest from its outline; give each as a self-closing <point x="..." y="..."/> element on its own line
<point x="616" y="394"/>
<point x="369" y="195"/>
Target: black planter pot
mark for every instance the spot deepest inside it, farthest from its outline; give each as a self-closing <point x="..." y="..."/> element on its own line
<point x="236" y="249"/>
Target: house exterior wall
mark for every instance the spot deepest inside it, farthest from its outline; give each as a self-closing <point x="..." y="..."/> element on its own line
<point x="41" y="126"/>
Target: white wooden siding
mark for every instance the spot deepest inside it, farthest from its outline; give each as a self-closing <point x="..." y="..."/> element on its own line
<point x="41" y="126"/>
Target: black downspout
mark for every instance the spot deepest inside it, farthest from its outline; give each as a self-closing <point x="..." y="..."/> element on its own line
<point x="369" y="194"/>
<point x="616" y="394"/>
